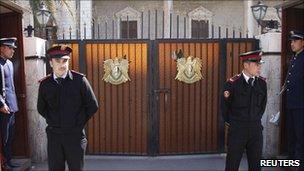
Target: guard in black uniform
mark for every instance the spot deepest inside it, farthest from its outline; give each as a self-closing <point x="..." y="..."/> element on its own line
<point x="294" y="86"/>
<point x="66" y="100"/>
<point x="243" y="103"/>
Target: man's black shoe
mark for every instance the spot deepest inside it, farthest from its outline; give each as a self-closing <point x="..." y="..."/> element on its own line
<point x="10" y="164"/>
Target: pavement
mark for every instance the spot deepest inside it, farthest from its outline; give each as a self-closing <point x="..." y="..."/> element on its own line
<point x="204" y="162"/>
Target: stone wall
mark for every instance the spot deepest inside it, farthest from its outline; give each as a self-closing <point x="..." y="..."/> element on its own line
<point x="85" y="15"/>
<point x="226" y="14"/>
<point x="66" y="19"/>
<point x="27" y="18"/>
<point x="80" y="14"/>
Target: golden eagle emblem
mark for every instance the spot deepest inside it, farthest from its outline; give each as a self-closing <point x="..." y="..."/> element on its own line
<point x="116" y="71"/>
<point x="189" y="69"/>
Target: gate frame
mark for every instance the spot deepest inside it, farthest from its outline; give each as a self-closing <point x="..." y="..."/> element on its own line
<point x="153" y="79"/>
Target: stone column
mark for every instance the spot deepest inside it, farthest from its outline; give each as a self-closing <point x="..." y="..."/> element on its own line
<point x="168" y="8"/>
<point x="35" y="69"/>
<point x="270" y="43"/>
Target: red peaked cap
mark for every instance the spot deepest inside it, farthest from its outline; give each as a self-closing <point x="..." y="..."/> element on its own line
<point x="60" y="51"/>
<point x="252" y="56"/>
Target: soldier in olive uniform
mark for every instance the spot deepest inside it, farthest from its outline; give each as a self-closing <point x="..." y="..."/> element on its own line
<point x="243" y="104"/>
<point x="294" y="86"/>
<point x="66" y="101"/>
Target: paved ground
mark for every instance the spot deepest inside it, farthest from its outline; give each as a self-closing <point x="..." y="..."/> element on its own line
<point x="184" y="162"/>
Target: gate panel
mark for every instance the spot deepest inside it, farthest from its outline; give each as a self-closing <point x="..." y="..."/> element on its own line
<point x="120" y="124"/>
<point x="188" y="112"/>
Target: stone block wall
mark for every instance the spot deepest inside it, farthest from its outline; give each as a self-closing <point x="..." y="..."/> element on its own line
<point x="270" y="43"/>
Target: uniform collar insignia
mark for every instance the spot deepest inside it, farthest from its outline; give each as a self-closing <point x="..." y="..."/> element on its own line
<point x="70" y="75"/>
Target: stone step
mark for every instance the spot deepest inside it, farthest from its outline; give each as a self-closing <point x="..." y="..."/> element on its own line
<point x="23" y="164"/>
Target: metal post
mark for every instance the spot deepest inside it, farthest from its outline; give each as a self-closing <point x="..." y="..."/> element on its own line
<point x="155" y="24"/>
<point x="128" y="27"/>
<point x="177" y="23"/>
<point x="148" y="24"/>
<point x="142" y="25"/>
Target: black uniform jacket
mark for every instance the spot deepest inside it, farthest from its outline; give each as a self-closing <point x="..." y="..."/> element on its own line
<point x="69" y="105"/>
<point x="295" y="82"/>
<point x="241" y="102"/>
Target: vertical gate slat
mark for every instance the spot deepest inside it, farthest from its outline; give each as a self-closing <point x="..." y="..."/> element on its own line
<point x="250" y="46"/>
<point x="229" y="61"/>
<point x="138" y="97"/>
<point x="120" y="111"/>
<point x="75" y="56"/>
<point x="144" y="96"/>
<point x="185" y="113"/>
<point x="209" y="96"/>
<point x="107" y="104"/>
<point x="191" y="106"/>
<point x="89" y="76"/>
<point x="71" y="60"/>
<point x="204" y="98"/>
<point x="132" y="100"/>
<point x="96" y="92"/>
<point x="114" y="106"/>
<point x="197" y="101"/>
<point x="235" y="65"/>
<point x="215" y="94"/>
<point x="101" y="101"/>
<point x="166" y="96"/>
<point x="173" y="102"/>
<point x="180" y="108"/>
<point x="160" y="98"/>
<point x="126" y="104"/>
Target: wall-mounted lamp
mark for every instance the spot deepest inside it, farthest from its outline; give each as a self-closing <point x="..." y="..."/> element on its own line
<point x="259" y="11"/>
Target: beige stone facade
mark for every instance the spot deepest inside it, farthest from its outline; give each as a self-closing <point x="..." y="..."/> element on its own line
<point x="78" y="15"/>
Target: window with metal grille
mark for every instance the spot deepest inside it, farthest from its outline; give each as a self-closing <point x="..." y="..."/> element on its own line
<point x="199" y="28"/>
<point x="128" y="29"/>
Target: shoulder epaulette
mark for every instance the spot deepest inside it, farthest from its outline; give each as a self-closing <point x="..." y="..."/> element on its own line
<point x="75" y="72"/>
<point x="234" y="78"/>
<point x="44" y="78"/>
<point x="262" y="78"/>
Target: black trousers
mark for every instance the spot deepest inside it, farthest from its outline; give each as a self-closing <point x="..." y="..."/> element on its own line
<point x="7" y="122"/>
<point x="241" y="138"/>
<point x="67" y="147"/>
<point x="295" y="131"/>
